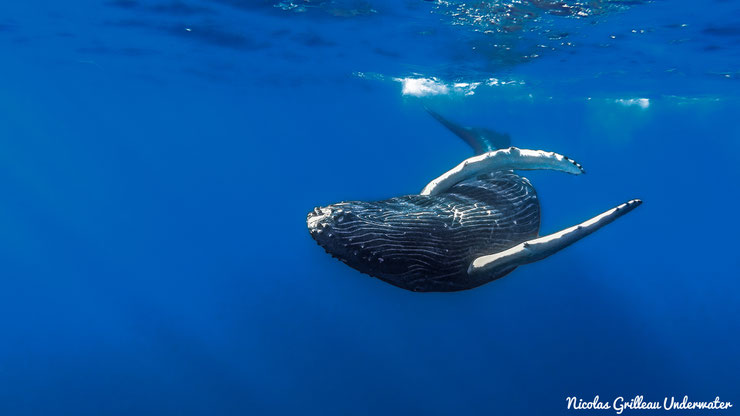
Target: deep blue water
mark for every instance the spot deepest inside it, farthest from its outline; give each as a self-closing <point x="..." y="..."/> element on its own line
<point x="158" y="159"/>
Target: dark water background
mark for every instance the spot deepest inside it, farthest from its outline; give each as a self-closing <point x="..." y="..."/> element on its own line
<point x="155" y="182"/>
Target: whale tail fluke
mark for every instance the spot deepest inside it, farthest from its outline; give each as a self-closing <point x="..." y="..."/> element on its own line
<point x="482" y="140"/>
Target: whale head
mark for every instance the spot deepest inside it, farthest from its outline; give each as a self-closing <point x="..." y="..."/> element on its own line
<point x="336" y="228"/>
<point x="376" y="238"/>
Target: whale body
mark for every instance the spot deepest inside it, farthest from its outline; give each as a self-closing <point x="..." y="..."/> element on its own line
<point x="425" y="243"/>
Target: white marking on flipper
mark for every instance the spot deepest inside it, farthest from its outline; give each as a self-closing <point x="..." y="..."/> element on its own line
<point x="502" y="159"/>
<point x="539" y="248"/>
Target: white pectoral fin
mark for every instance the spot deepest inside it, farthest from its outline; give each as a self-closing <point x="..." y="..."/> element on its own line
<point x="541" y="247"/>
<point x="503" y="159"/>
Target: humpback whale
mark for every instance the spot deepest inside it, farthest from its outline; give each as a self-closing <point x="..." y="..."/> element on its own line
<point x="471" y="225"/>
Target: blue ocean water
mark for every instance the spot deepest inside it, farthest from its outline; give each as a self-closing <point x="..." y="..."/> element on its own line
<point x="158" y="159"/>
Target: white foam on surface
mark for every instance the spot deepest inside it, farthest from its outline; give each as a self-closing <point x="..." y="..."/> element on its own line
<point x="643" y="103"/>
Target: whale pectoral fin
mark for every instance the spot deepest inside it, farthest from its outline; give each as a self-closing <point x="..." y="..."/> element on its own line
<point x="541" y="247"/>
<point x="503" y="159"/>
